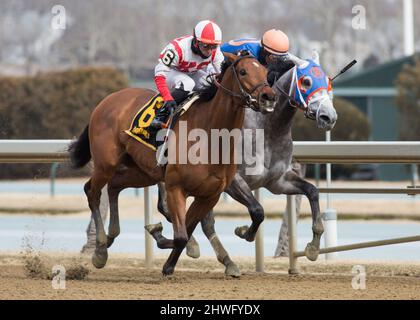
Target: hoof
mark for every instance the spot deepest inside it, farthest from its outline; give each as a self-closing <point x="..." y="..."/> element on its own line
<point x="152" y="228"/>
<point x="311" y="252"/>
<point x="168" y="271"/>
<point x="243" y="233"/>
<point x="232" y="270"/>
<point x="193" y="249"/>
<point x="294" y="271"/>
<point x="110" y="241"/>
<point x="99" y="258"/>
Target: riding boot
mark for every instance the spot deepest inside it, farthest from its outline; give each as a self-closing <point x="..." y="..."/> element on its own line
<point x="162" y="114"/>
<point x="179" y="95"/>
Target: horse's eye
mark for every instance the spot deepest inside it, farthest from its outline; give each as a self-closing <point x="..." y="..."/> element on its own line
<point x="306" y="82"/>
<point x="242" y="72"/>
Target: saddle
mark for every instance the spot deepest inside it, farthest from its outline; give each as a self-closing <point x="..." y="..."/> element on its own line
<point x="140" y="126"/>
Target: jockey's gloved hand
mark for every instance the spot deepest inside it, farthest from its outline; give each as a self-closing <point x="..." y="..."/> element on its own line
<point x="170" y="105"/>
<point x="163" y="113"/>
<point x="165" y="110"/>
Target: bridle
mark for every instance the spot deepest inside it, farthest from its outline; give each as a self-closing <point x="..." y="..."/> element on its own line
<point x="292" y="101"/>
<point x="243" y="95"/>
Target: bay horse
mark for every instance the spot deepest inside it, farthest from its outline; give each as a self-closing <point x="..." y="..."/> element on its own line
<point x="279" y="175"/>
<point x="105" y="141"/>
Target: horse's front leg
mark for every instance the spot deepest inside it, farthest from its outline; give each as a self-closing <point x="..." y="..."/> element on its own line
<point x="177" y="207"/>
<point x="291" y="183"/>
<point x="193" y="249"/>
<point x="241" y="192"/>
<point x="196" y="212"/>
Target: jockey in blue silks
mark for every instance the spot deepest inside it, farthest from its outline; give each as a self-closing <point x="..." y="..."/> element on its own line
<point x="272" y="47"/>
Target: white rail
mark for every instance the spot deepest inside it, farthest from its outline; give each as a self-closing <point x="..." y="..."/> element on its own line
<point x="35" y="151"/>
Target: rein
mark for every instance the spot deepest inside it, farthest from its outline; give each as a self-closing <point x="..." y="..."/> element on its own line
<point x="243" y="94"/>
<point x="292" y="101"/>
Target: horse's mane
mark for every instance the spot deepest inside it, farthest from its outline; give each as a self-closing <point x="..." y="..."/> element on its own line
<point x="277" y="68"/>
<point x="208" y="92"/>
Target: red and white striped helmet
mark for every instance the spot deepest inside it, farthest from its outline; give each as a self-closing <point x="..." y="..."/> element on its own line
<point x="207" y="31"/>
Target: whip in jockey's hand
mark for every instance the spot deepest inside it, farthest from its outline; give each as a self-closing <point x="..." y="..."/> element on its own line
<point x="184" y="65"/>
<point x="164" y="112"/>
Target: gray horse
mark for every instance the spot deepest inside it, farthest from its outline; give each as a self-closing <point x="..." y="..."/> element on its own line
<point x="299" y="87"/>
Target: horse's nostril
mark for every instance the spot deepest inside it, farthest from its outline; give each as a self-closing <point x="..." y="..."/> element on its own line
<point x="265" y="96"/>
<point x="325" y="118"/>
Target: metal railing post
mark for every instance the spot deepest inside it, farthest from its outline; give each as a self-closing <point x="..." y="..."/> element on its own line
<point x="148" y="240"/>
<point x="414" y="174"/>
<point x="330" y="215"/>
<point x="291" y="212"/>
<point x="259" y="241"/>
<point x="53" y="174"/>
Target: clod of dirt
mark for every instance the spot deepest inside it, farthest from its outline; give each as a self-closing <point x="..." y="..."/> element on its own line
<point x="35" y="267"/>
<point x="38" y="268"/>
<point x="77" y="272"/>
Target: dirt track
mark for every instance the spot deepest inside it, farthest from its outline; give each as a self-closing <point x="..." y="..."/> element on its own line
<point x="126" y="278"/>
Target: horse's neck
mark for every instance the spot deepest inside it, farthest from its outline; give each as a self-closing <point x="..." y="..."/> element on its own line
<point x="277" y="127"/>
<point x="226" y="111"/>
<point x="280" y="121"/>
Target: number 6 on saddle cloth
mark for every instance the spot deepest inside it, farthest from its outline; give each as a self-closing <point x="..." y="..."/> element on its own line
<point x="140" y="128"/>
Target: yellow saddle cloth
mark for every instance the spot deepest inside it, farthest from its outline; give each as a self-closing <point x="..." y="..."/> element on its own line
<point x="140" y="126"/>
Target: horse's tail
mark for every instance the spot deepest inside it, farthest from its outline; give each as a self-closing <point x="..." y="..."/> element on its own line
<point x="80" y="150"/>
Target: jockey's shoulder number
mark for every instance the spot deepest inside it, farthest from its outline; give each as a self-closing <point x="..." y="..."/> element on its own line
<point x="168" y="57"/>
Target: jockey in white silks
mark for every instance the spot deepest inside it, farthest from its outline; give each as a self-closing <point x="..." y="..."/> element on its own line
<point x="184" y="65"/>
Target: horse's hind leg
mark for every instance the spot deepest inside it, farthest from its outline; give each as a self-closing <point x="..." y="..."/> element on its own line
<point x="90" y="244"/>
<point x="99" y="179"/>
<point x="207" y="224"/>
<point x="124" y="177"/>
<point x="114" y="220"/>
<point x="240" y="191"/>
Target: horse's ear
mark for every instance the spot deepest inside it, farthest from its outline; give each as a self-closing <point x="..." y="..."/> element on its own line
<point x="231" y="57"/>
<point x="315" y="56"/>
<point x="296" y="60"/>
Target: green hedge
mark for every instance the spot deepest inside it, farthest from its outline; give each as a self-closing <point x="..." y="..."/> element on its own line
<point x="54" y="105"/>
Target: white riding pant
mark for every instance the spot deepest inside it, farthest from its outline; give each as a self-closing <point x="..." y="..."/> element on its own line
<point x="190" y="81"/>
